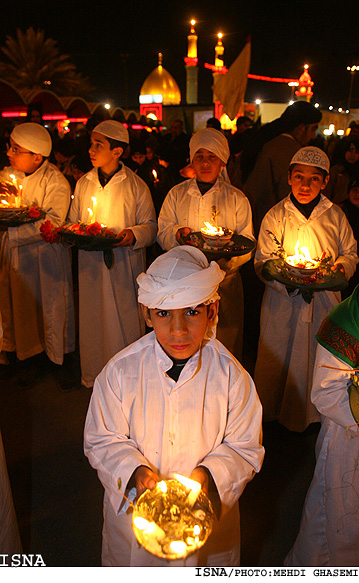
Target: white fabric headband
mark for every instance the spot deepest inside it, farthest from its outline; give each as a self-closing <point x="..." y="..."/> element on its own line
<point x="212" y="140"/>
<point x="180" y="278"/>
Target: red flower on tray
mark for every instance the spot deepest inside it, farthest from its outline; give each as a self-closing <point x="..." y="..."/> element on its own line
<point x="94" y="229"/>
<point x="34" y="212"/>
<point x="49" y="233"/>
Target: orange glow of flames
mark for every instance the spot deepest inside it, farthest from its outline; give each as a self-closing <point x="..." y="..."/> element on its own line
<point x="303" y="259"/>
<point x="213" y="230"/>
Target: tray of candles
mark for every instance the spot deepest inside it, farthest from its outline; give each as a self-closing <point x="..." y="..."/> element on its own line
<point x="227" y="245"/>
<point x="316" y="278"/>
<point x="174" y="519"/>
<point x="17" y="216"/>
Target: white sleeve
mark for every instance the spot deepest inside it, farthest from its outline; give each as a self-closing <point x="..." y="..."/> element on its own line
<point x="106" y="438"/>
<point x="331" y="378"/>
<point x="168" y="222"/>
<point x="233" y="463"/>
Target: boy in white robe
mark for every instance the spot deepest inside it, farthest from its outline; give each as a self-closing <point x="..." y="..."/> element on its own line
<point x="190" y="204"/>
<point x="175" y="401"/>
<point x="36" y="296"/>
<point x="109" y="315"/>
<point x="286" y="348"/>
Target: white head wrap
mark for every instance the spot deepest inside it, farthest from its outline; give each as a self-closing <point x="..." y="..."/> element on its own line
<point x="180" y="278"/>
<point x="113" y="129"/>
<point x="34" y="137"/>
<point x="212" y="140"/>
<point x="311" y="156"/>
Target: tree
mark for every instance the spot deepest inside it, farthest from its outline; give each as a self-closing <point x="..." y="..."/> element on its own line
<point x="36" y="63"/>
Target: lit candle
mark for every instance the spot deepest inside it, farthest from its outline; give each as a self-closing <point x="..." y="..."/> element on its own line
<point x="90" y="215"/>
<point x="18" y="199"/>
<point x="154" y="174"/>
<point x="194" y="486"/>
<point x="162" y="486"/>
<point x="13" y="197"/>
<point x="94" y="208"/>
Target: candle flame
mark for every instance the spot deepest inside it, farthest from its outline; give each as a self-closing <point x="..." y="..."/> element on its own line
<point x="178" y="546"/>
<point x="140" y="522"/>
<point x="154" y="174"/>
<point x="94" y="199"/>
<point x="162" y="486"/>
<point x="196" y="529"/>
<point x="303" y="259"/>
<point x="13" y="177"/>
<point x="90" y="211"/>
<point x="192" y="484"/>
<point x="5" y="202"/>
<point x="210" y="229"/>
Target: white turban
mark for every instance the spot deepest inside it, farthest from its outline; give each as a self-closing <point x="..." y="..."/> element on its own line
<point x="212" y="140"/>
<point x="180" y="278"/>
<point x="34" y="137"/>
<point x="113" y="129"/>
<point x="311" y="156"/>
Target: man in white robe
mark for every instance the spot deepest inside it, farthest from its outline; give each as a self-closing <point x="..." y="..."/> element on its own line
<point x="36" y="296"/>
<point x="145" y="423"/>
<point x="109" y="315"/>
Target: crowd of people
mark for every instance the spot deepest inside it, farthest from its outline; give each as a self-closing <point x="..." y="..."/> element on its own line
<point x="162" y="333"/>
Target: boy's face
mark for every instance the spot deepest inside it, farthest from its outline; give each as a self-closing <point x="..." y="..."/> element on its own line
<point x="139" y="157"/>
<point x="352" y="154"/>
<point x="206" y="165"/>
<point x="354" y="195"/>
<point x="101" y="155"/>
<point x="306" y="182"/>
<point x="22" y="159"/>
<point x="181" y="331"/>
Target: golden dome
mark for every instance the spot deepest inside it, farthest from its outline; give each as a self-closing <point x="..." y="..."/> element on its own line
<point x="161" y="82"/>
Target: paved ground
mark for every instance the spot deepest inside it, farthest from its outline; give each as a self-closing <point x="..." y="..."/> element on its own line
<point x="58" y="498"/>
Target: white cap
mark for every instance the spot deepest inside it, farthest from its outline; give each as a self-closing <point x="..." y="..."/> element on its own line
<point x="34" y="137"/>
<point x="113" y="129"/>
<point x="180" y="278"/>
<point x="212" y="140"/>
<point x="311" y="156"/>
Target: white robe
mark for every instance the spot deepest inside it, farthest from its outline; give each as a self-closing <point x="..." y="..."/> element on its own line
<point x="109" y="315"/>
<point x="138" y="415"/>
<point x="36" y="295"/>
<point x="185" y="206"/>
<point x="287" y="345"/>
<point x="329" y="531"/>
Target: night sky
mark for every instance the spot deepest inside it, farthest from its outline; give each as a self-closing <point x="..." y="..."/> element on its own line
<point x="116" y="44"/>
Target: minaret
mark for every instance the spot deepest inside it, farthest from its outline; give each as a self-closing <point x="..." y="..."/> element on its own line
<point x="219" y="50"/>
<point x="191" y="67"/>
<point x="219" y="68"/>
<point x="304" y="91"/>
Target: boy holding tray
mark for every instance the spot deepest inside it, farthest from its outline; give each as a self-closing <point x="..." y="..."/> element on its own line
<point x="190" y="204"/>
<point x="109" y="315"/>
<point x="175" y="401"/>
<point x="36" y="301"/>
<point x="286" y="349"/>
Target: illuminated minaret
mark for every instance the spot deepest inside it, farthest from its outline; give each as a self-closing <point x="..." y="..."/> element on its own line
<point x="191" y="67"/>
<point x="219" y="68"/>
<point x="219" y="50"/>
<point x="304" y="91"/>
